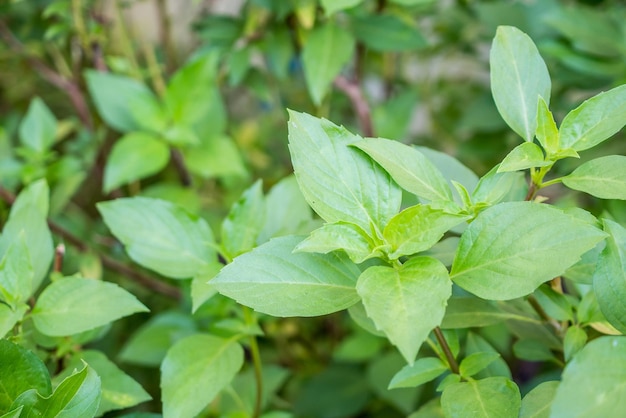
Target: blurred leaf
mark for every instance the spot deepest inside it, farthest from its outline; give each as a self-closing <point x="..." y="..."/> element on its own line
<point x="16" y="274"/>
<point x="333" y="6"/>
<point x="38" y="128"/>
<point x="537" y="402"/>
<point x="387" y="32"/>
<point x="215" y="157"/>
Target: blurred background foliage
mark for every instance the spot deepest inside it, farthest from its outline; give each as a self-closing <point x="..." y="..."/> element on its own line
<point x="225" y="71"/>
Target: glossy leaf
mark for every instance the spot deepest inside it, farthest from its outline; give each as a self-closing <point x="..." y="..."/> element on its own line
<point x="339" y="182"/>
<point x="244" y="222"/>
<point x="422" y="371"/>
<point x="537" y="402"/>
<point x="71" y="305"/>
<point x="595" y="120"/>
<point x="195" y="370"/>
<point x="408" y="167"/>
<point x="522" y="157"/>
<point x="609" y="279"/>
<point x="406" y="303"/>
<point x="160" y="235"/>
<point x="274" y="280"/>
<point x="387" y="32"/>
<point x="603" y="177"/>
<point x="518" y="78"/>
<point x="134" y="156"/>
<point x="339" y="236"/>
<point x="327" y="49"/>
<point x="493" y="397"/>
<point x="38" y="128"/>
<point x="513" y="247"/>
<point x="603" y="393"/>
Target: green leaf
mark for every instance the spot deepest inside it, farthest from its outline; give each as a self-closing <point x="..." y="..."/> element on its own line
<point x="244" y="222"/>
<point x="418" y="228"/>
<point x="603" y="177"/>
<point x="340" y="183"/>
<point x="451" y="168"/>
<point x="134" y="156"/>
<point x="9" y="317"/>
<point x="195" y="370"/>
<point x="76" y="396"/>
<point x="201" y="289"/>
<point x="408" y="167"/>
<point x="594" y="382"/>
<point x="476" y="362"/>
<point x="495" y="187"/>
<point x="493" y="397"/>
<point x="532" y="350"/>
<point x="115" y="98"/>
<point x="547" y="133"/>
<point x="16" y="274"/>
<point x="537" y="402"/>
<point x="160" y="235"/>
<point x="333" y="6"/>
<point x="149" y="344"/>
<point x="20" y="370"/>
<point x="326" y="51"/>
<point x="555" y="304"/>
<point x="408" y="302"/>
<point x="609" y="279"/>
<point x="339" y="236"/>
<point x="38" y="128"/>
<point x="477" y="344"/>
<point x="15" y="413"/>
<point x="575" y="339"/>
<point x="71" y="305"/>
<point x="274" y="280"/>
<point x="380" y="371"/>
<point x="387" y="32"/>
<point x="513" y="247"/>
<point x="595" y="120"/>
<point x="467" y="312"/>
<point x="422" y="371"/>
<point x="518" y="78"/>
<point x="215" y="157"/>
<point x="522" y="157"/>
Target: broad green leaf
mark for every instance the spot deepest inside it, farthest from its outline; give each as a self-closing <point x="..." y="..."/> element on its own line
<point x="450" y="167"/>
<point x="274" y="280"/>
<point x="537" y="402"/>
<point x="160" y="235"/>
<point x="555" y="304"/>
<point x="115" y="96"/>
<point x="76" y="396"/>
<point x="476" y="362"/>
<point x="603" y="177"/>
<point x="609" y="279"/>
<point x="532" y="350"/>
<point x="149" y="344"/>
<point x="575" y="339"/>
<point x="594" y="382"/>
<point x="215" y="157"/>
<point x="418" y="228"/>
<point x="547" y="133"/>
<point x="339" y="236"/>
<point x="513" y="247"/>
<point x="134" y="156"/>
<point x="9" y="317"/>
<point x="519" y="76"/>
<point x="595" y="120"/>
<point x="495" y="187"/>
<point x="422" y="371"/>
<point x="408" y="167"/>
<point x="339" y="182"/>
<point x="466" y="312"/>
<point x="493" y="397"/>
<point x="16" y="273"/>
<point x="327" y="49"/>
<point x="333" y="6"/>
<point x="119" y="390"/>
<point x="387" y="32"/>
<point x="20" y="370"/>
<point x="195" y="370"/>
<point x="201" y="289"/>
<point x="244" y="222"/>
<point x="71" y="305"/>
<point x="38" y="128"/>
<point x="522" y="157"/>
<point x="406" y="303"/>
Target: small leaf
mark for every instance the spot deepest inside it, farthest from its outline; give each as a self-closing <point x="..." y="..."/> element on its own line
<point x="476" y="362"/>
<point x="519" y="76"/>
<point x="274" y="280"/>
<point x="339" y="236"/>
<point x="134" y="156"/>
<point x="422" y="371"/>
<point x="215" y="157"/>
<point x="10" y="317"/>
<point x="555" y="304"/>
<point x="201" y="289"/>
<point x="244" y="222"/>
<point x="594" y="382"/>
<point x="609" y="279"/>
<point x="327" y="49"/>
<point x="575" y="339"/>
<point x="71" y="305"/>
<point x="195" y="370"/>
<point x="16" y="274"/>
<point x="537" y="402"/>
<point x="160" y="235"/>
<point x="524" y="156"/>
<point x="38" y="128"/>
<point x="493" y="397"/>
<point x="595" y="120"/>
<point x="547" y="133"/>
<point x="603" y="177"/>
<point x="406" y="303"/>
<point x="333" y="6"/>
<point x="387" y="32"/>
<point x="495" y="187"/>
<point x="513" y="247"/>
<point x="408" y="167"/>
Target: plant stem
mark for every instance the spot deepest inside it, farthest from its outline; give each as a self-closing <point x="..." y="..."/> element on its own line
<point x="361" y="107"/>
<point x="154" y="69"/>
<point x="543" y="314"/>
<point x="454" y="366"/>
<point x="256" y="361"/>
<point x="126" y="42"/>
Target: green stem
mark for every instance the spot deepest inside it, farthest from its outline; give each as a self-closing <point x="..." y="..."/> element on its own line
<point x="79" y="23"/>
<point x="256" y="361"/>
<point x="126" y="43"/>
<point x="454" y="366"/>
